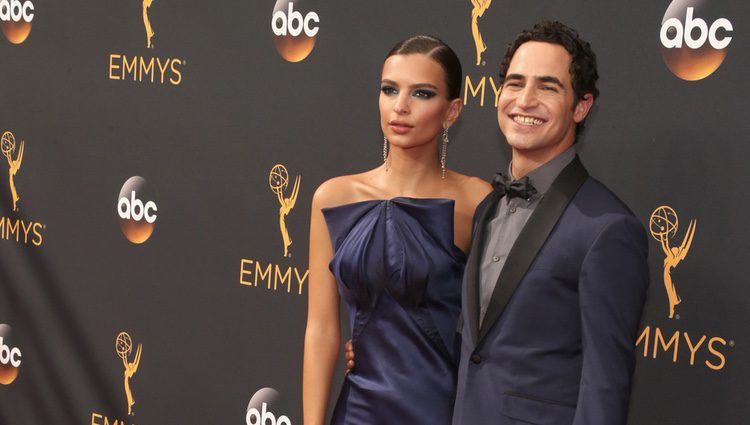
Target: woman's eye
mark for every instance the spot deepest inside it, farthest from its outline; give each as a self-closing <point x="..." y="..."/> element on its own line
<point x="388" y="90"/>
<point x="424" y="94"/>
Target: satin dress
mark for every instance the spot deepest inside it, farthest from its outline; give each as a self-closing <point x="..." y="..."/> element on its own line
<point x="399" y="273"/>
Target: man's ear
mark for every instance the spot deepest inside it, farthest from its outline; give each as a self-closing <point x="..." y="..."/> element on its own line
<point x="582" y="108"/>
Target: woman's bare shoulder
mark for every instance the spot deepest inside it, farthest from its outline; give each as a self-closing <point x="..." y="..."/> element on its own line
<point x="341" y="190"/>
<point x="471" y="190"/>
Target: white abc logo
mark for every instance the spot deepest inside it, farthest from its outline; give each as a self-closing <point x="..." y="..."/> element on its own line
<point x="8" y="355"/>
<point x="686" y="32"/>
<point x="15" y="10"/>
<point x="264" y="417"/>
<point x="134" y="209"/>
<point x="294" y="23"/>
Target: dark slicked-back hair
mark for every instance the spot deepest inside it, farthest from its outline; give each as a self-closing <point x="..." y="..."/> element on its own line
<point x="583" y="72"/>
<point x="438" y="51"/>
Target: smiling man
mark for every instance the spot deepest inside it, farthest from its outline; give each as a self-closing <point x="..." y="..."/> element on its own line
<point x="557" y="277"/>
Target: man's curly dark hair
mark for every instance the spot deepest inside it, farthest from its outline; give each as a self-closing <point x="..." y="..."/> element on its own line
<point x="583" y="73"/>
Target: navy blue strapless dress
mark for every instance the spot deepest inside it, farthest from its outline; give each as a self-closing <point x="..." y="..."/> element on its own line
<point x="399" y="273"/>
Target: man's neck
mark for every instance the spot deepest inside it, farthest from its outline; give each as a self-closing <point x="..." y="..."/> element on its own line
<point x="524" y="161"/>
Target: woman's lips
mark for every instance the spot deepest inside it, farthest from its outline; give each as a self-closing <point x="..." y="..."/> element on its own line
<point x="400" y="128"/>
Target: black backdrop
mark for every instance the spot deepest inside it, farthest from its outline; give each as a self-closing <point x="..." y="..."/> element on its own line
<point x="216" y="307"/>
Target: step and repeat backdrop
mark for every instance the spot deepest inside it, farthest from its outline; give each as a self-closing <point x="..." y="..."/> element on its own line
<point x="159" y="159"/>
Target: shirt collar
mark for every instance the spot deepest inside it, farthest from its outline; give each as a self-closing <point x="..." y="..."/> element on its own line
<point x="543" y="176"/>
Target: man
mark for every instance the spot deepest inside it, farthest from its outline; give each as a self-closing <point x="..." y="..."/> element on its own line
<point x="557" y="275"/>
<point x="556" y="280"/>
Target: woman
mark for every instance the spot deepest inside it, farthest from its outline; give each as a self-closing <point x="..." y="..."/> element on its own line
<point x="384" y="240"/>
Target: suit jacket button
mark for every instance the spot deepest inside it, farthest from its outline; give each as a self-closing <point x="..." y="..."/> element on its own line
<point x="476" y="358"/>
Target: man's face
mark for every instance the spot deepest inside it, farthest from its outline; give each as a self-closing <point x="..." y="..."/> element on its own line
<point x="536" y="110"/>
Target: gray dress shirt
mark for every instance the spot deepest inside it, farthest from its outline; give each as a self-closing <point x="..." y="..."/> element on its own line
<point x="509" y="219"/>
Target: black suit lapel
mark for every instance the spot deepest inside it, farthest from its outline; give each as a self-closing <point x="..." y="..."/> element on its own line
<point x="531" y="239"/>
<point x="471" y="275"/>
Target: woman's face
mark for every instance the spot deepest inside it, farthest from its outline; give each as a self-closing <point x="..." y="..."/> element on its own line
<point x="414" y="105"/>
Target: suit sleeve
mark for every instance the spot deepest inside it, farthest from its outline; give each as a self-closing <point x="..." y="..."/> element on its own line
<point x="612" y="291"/>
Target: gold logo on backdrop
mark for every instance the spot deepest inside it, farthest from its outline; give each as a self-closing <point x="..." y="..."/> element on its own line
<point x="8" y="148"/>
<point x="663" y="225"/>
<point x="278" y="180"/>
<point x="478" y="9"/>
<point x="141" y="69"/>
<point x="124" y="347"/>
<point x="147" y="23"/>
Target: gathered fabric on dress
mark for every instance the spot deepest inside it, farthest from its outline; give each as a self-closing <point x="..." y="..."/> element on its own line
<point x="399" y="273"/>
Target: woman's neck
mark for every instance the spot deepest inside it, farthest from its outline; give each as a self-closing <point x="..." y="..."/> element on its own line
<point x="412" y="171"/>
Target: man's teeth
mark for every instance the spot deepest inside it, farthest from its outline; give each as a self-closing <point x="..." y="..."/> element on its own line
<point x="527" y="120"/>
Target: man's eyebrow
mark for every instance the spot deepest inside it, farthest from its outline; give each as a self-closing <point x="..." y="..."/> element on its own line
<point x="551" y="79"/>
<point x="514" y="77"/>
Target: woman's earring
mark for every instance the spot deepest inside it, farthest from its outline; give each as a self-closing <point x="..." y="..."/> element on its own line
<point x="445" y="147"/>
<point x="385" y="154"/>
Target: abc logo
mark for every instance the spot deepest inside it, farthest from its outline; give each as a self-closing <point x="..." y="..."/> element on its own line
<point x="694" y="38"/>
<point x="258" y="409"/>
<point x="10" y="357"/>
<point x="264" y="417"/>
<point x="136" y="210"/>
<point x="294" y="31"/>
<point x="15" y="19"/>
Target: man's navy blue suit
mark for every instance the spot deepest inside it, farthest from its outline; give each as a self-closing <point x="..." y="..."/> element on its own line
<point x="556" y="346"/>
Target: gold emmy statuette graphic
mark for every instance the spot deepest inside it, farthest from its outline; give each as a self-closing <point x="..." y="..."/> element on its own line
<point x="278" y="180"/>
<point x="124" y="346"/>
<point x="147" y="23"/>
<point x="8" y="145"/>
<point x="663" y="225"/>
<point x="478" y="9"/>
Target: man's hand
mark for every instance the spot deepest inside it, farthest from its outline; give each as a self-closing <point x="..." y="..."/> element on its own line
<point x="349" y="355"/>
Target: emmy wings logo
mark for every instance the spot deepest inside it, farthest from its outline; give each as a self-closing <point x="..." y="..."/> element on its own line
<point x="663" y="225"/>
<point x="130" y="362"/>
<point x="260" y="409"/>
<point x="145" y="68"/>
<point x="695" y="37"/>
<point x="15" y="19"/>
<point x="683" y="347"/>
<point x="295" y="28"/>
<point x="480" y="86"/>
<point x="20" y="230"/>
<point x="10" y="356"/>
<point x="137" y="210"/>
<point x="253" y="271"/>
<point x="278" y="181"/>
<point x="147" y="23"/>
<point x="8" y="147"/>
<point x="478" y="7"/>
<point x="124" y="349"/>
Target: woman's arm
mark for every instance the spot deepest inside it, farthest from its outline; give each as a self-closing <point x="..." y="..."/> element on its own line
<point x="323" y="332"/>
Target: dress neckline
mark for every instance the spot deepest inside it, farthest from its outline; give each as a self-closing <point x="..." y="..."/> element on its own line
<point x="437" y="201"/>
<point x="395" y="198"/>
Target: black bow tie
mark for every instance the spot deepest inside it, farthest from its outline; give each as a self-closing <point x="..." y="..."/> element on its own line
<point x="521" y="188"/>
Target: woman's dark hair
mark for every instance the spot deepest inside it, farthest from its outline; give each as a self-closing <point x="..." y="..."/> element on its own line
<point x="583" y="74"/>
<point x="437" y="50"/>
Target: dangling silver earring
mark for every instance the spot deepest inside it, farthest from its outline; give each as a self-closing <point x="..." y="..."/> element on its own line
<point x="385" y="154"/>
<point x="445" y="147"/>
